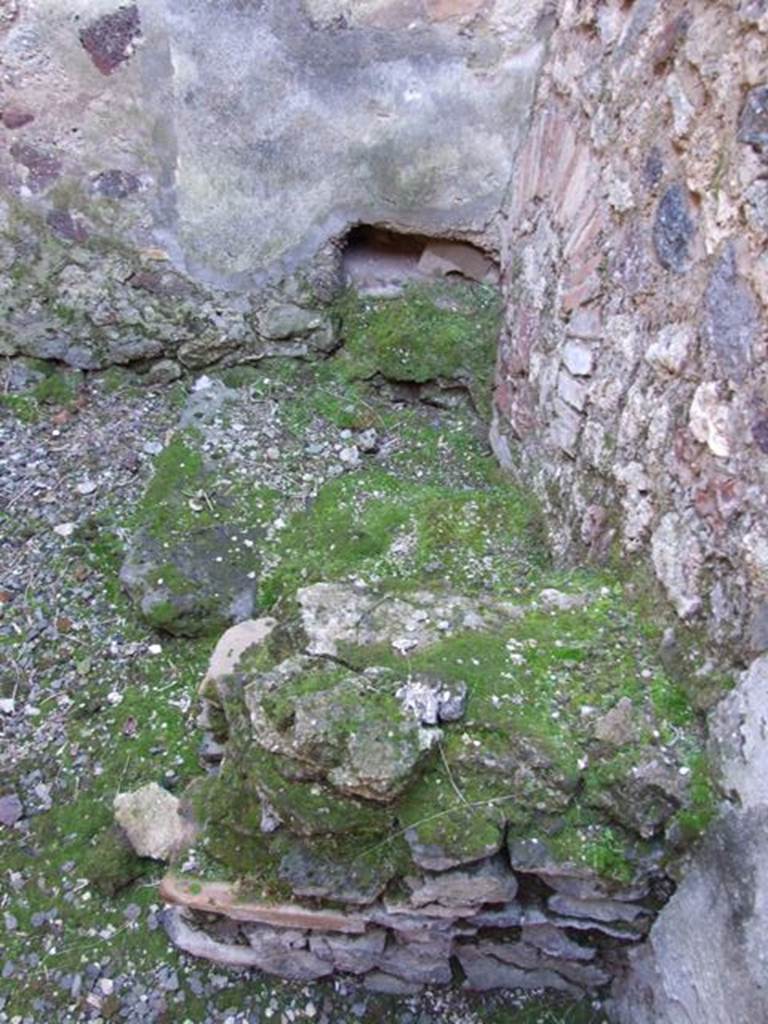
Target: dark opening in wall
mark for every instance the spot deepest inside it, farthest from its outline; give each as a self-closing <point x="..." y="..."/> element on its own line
<point x="377" y="261"/>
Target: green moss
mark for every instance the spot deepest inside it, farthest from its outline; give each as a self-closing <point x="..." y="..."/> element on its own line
<point x="463" y="813"/>
<point x="241" y="376"/>
<point x="160" y="614"/>
<point x="525" y="747"/>
<point x="179" y="474"/>
<point x="440" y="331"/>
<point x="671" y="701"/>
<point x="550" y="1010"/>
<point x="693" y="821"/>
<point x="111" y="865"/>
<point x="583" y="838"/>
<point x="57" y="388"/>
<point x="25" y="408"/>
<point x="308" y="808"/>
<point x="66" y="314"/>
<point x="232" y="846"/>
<point x="280" y="704"/>
<point x="398" y="533"/>
<point x="187" y="494"/>
<point x="116" y="379"/>
<point x="606" y="854"/>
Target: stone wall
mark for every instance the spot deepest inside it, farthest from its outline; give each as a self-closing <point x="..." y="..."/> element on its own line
<point x="168" y="205"/>
<point x="632" y="386"/>
<point x="176" y="174"/>
<point x="632" y="392"/>
<point x="501" y="930"/>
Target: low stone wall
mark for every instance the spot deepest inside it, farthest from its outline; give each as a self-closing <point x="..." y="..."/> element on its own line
<point x="501" y="928"/>
<point x="375" y="822"/>
<point x="631" y="386"/>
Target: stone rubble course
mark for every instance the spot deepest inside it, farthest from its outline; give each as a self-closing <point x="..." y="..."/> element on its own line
<point x="334" y="747"/>
<point x="413" y="946"/>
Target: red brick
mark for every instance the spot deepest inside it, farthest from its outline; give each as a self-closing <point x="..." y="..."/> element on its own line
<point x="221" y="898"/>
<point x="583" y="173"/>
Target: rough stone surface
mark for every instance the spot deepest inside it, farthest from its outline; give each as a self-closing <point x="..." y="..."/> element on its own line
<point x="716" y="971"/>
<point x="673" y="230"/>
<point x="152" y="822"/>
<point x="431" y="701"/>
<point x="731" y="324"/>
<point x="656" y="267"/>
<point x="11" y="809"/>
<point x="713" y="970"/>
<point x="486" y="883"/>
<point x="192" y="586"/>
<point x="739" y="728"/>
<point x="310" y="874"/>
<point x="616" y="726"/>
<point x="356" y="954"/>
<point x="710" y="420"/>
<point x="268" y="952"/>
<point x="109" y="40"/>
<point x="486" y="971"/>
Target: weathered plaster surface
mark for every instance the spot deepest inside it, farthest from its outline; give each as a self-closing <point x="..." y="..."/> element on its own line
<point x="255" y="131"/>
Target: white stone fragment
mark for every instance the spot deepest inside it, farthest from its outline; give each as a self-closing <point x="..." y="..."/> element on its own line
<point x="350" y="456"/>
<point x="672" y="349"/>
<point x="151" y="821"/>
<point x="709" y="420"/>
<point x="578" y="358"/>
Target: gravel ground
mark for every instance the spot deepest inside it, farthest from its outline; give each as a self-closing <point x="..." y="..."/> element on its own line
<point x="91" y="701"/>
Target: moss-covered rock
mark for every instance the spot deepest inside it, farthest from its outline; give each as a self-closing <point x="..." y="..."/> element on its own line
<point x="445" y="332"/>
<point x="112" y="864"/>
<point x="344" y="728"/>
<point x="195" y="585"/>
<point x="193" y="562"/>
<point x="332" y="741"/>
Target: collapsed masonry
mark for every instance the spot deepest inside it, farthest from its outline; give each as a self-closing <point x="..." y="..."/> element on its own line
<point x="366" y="816"/>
